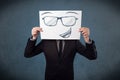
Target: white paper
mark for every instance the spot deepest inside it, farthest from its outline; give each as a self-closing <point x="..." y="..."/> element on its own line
<point x="60" y="24"/>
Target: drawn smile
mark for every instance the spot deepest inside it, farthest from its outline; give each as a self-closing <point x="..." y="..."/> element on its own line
<point x="66" y="34"/>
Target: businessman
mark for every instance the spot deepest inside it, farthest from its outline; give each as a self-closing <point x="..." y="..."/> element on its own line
<point x="60" y="54"/>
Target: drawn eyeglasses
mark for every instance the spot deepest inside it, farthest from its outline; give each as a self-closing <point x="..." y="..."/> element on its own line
<point x="65" y="20"/>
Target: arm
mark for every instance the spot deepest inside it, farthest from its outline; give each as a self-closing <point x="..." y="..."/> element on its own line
<point x="88" y="51"/>
<point x="31" y="48"/>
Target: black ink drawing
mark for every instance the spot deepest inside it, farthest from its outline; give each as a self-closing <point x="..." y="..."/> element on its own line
<point x="66" y="34"/>
<point x="67" y="21"/>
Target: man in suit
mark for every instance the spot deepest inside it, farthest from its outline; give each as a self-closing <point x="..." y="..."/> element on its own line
<point x="59" y="64"/>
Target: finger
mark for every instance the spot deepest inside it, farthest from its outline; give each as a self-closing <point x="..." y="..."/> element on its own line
<point x="83" y="32"/>
<point x="82" y="29"/>
<point x="41" y="30"/>
<point x="37" y="29"/>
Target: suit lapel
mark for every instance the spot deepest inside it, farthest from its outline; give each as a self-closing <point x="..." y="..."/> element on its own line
<point x="56" y="48"/>
<point x="65" y="48"/>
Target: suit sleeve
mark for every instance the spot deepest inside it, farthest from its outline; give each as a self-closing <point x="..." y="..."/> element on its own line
<point x="32" y="49"/>
<point x="89" y="51"/>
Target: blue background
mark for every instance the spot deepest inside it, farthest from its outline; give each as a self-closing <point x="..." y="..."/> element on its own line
<point x="17" y="17"/>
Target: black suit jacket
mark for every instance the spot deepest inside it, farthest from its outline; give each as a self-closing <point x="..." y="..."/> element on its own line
<point x="60" y="68"/>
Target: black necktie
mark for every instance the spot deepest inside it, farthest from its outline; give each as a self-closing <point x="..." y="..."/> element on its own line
<point x="60" y="48"/>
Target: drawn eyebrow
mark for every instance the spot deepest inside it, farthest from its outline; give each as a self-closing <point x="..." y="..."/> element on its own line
<point x="72" y="12"/>
<point x="46" y="13"/>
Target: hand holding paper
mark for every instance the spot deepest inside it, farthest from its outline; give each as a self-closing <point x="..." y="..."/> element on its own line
<point x="35" y="32"/>
<point x="86" y="33"/>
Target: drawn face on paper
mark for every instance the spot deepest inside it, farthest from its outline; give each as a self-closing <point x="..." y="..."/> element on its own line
<point x="59" y="24"/>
